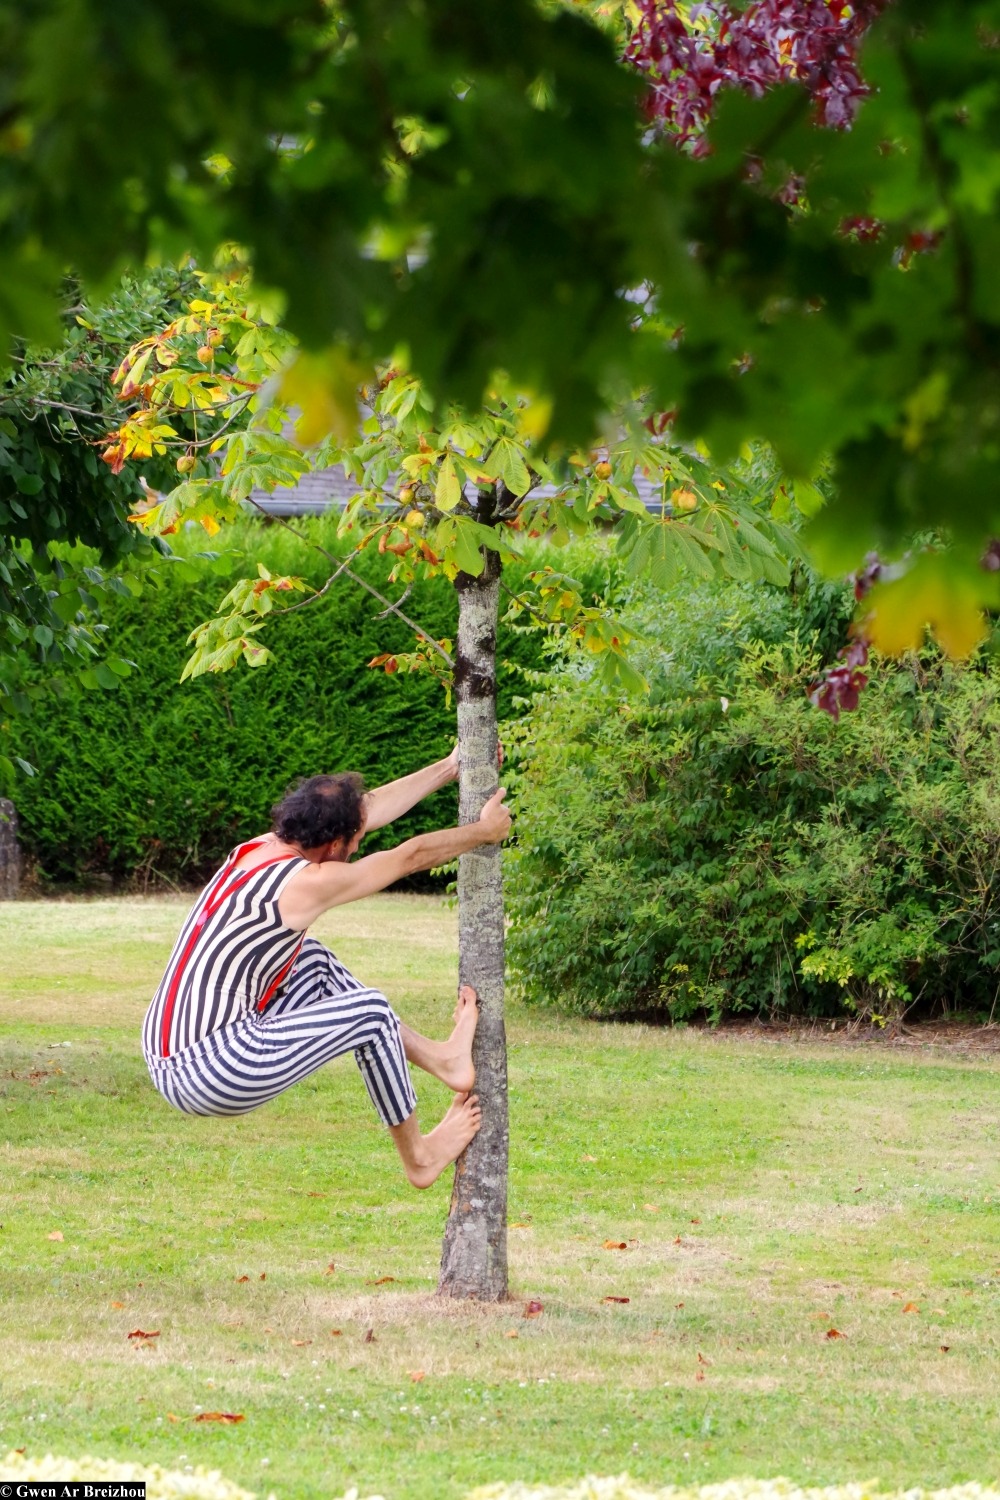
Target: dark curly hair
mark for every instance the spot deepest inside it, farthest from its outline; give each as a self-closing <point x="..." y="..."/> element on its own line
<point x="320" y="810"/>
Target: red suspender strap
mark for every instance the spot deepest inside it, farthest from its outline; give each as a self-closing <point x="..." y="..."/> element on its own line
<point x="214" y="898"/>
<point x="280" y="976"/>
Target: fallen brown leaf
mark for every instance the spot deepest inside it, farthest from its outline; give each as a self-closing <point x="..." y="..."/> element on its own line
<point x="511" y="1333"/>
<point x="369" y="1337"/>
<point x="301" y="1343"/>
<point x="615" y="1245"/>
<point x="695" y="1221"/>
<point x="56" y="1234"/>
<point x="677" y="1239"/>
<point x="117" y="1304"/>
<point x="614" y="1299"/>
<point x="835" y="1333"/>
<point x="417" y="1375"/>
<point x="699" y="1374"/>
<point x="588" y="1158"/>
<point x="521" y="1224"/>
<point x="944" y="1348"/>
<point x="380" y="1281"/>
<point x="262" y="1276"/>
<point x="678" y="1304"/>
<point x="335" y="1333"/>
<point x="219" y="1416"/>
<point x="331" y="1268"/>
<point x="651" y="1208"/>
<point x="315" y="1195"/>
<point x="533" y="1309"/>
<point x="171" y="1417"/>
<point x="243" y="1278"/>
<point x="911" y="1307"/>
<point x="702" y="1360"/>
<point x="137" y="1333"/>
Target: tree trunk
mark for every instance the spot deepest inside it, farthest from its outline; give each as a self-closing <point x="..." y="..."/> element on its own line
<point x="10" y="852"/>
<point x="474" y="1256"/>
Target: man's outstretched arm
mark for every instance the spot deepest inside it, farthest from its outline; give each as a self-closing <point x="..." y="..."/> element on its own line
<point x="314" y="890"/>
<point x="386" y="803"/>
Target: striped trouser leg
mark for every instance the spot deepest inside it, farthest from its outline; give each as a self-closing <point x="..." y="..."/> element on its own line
<point x="322" y="1013"/>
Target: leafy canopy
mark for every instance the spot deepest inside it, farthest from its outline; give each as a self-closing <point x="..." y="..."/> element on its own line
<point x="437" y="486"/>
<point x="473" y="184"/>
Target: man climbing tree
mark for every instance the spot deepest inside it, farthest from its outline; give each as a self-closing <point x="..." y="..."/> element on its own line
<point x="249" y="1004"/>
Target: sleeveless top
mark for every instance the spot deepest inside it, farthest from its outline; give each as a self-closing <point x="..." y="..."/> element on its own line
<point x="233" y="954"/>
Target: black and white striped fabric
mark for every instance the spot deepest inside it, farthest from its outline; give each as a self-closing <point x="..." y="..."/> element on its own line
<point x="247" y="1007"/>
<point x="232" y="954"/>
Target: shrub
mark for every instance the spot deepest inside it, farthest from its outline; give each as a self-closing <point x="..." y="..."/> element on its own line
<point x="724" y="847"/>
<point x="160" y="780"/>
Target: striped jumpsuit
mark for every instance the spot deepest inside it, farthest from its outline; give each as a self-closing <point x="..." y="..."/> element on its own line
<point x="247" y="1006"/>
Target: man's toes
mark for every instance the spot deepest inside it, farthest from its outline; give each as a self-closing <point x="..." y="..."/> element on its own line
<point x="467" y="995"/>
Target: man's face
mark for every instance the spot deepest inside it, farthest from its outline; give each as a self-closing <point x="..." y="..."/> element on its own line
<point x="345" y="849"/>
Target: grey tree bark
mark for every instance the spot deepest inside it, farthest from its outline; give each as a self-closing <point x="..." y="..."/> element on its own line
<point x="474" y="1256"/>
<point x="10" y="852"/>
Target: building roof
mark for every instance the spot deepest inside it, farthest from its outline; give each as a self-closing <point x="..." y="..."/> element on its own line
<point x="318" y="492"/>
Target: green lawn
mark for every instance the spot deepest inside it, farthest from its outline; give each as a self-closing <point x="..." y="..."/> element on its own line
<point x="766" y="1194"/>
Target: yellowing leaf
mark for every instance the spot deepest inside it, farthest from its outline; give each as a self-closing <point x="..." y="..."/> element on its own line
<point x="324" y="388"/>
<point x="447" y="490"/>
<point x="533" y="420"/>
<point x="210" y="524"/>
<point x="936" y="593"/>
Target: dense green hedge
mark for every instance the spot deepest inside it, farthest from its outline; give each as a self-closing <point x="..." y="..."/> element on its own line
<point x="726" y="847"/>
<point x="159" y="780"/>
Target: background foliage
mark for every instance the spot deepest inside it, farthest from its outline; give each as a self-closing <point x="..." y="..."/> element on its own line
<point x="156" y="780"/>
<point x="63" y="513"/>
<point x="724" y="848"/>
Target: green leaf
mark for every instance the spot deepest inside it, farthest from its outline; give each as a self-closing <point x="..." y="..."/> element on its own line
<point x="734" y="560"/>
<point x="506" y="462"/>
<point x="29" y="484"/>
<point x="631" y="679"/>
<point x="693" y="556"/>
<point x="464" y="551"/>
<point x="663" y="555"/>
<point x="625" y="501"/>
<point x="807" y="498"/>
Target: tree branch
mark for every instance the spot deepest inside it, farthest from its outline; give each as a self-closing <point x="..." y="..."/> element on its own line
<point x="342" y="566"/>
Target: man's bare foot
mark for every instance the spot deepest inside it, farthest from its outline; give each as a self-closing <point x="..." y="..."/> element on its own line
<point x="451" y="1060"/>
<point x="445" y="1142"/>
<point x="455" y="1066"/>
